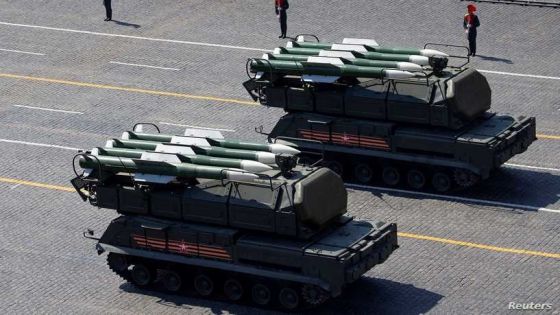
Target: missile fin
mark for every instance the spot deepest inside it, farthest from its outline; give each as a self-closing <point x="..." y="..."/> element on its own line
<point x="160" y="157"/>
<point x="337" y="54"/>
<point x="349" y="47"/>
<point x="190" y="141"/>
<point x="175" y="149"/>
<point x="326" y="60"/>
<point x="203" y="133"/>
<point x="110" y="143"/>
<point x="360" y="41"/>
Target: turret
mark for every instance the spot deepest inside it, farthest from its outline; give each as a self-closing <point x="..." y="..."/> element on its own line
<point x="358" y="78"/>
<point x="210" y="180"/>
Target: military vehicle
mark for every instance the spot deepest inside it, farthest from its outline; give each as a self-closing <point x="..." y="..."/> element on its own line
<point x="373" y="116"/>
<point x="278" y="237"/>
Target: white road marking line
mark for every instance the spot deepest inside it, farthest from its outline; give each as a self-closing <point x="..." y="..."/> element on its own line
<point x="143" y="66"/>
<point x="22" y="52"/>
<point x="532" y="167"/>
<point x="521" y="75"/>
<point x="133" y="37"/>
<point x="196" y="127"/>
<point x="215" y="45"/>
<point x="15" y="186"/>
<point x="456" y="198"/>
<point x="50" y="109"/>
<point x="39" y="144"/>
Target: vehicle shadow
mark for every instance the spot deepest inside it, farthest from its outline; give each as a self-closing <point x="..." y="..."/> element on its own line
<point x="490" y="58"/>
<point x="534" y="189"/>
<point x="126" y="24"/>
<point x="508" y="187"/>
<point x="365" y="296"/>
<point x="381" y="296"/>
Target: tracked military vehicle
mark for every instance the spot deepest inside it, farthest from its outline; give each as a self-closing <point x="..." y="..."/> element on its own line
<point x="401" y="116"/>
<point x="277" y="237"/>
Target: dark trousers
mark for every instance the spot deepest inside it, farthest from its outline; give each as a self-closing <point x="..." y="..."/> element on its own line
<point x="472" y="42"/>
<point x="108" y="9"/>
<point x="283" y="22"/>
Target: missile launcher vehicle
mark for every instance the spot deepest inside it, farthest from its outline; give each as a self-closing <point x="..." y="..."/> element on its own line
<point x="394" y="115"/>
<point x="276" y="237"/>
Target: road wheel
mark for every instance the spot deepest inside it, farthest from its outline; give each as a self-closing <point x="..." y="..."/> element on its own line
<point x="261" y="294"/>
<point x="233" y="289"/>
<point x="288" y="298"/>
<point x="313" y="294"/>
<point x="172" y="281"/>
<point x="142" y="275"/>
<point x="416" y="179"/>
<point x="441" y="182"/>
<point x="465" y="178"/>
<point x="391" y="175"/>
<point x="203" y="285"/>
<point x="336" y="167"/>
<point x="363" y="173"/>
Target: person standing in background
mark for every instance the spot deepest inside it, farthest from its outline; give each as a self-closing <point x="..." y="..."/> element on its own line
<point x="108" y="10"/>
<point x="280" y="6"/>
<point x="470" y="23"/>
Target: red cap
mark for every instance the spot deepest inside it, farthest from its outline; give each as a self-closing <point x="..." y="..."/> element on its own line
<point x="471" y="8"/>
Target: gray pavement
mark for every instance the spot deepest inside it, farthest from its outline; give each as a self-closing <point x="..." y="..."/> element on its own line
<point x="47" y="267"/>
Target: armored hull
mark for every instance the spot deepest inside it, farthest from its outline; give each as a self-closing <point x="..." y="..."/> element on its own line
<point x="366" y="151"/>
<point x="269" y="270"/>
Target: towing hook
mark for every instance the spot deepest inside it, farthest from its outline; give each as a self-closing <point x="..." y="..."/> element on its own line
<point x="90" y="234"/>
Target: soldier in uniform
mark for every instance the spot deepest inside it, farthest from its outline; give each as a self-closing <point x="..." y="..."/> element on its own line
<point x="470" y="23"/>
<point x="280" y="6"/>
<point x="108" y="10"/>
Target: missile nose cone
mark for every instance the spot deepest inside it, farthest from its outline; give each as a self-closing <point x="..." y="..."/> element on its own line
<point x="254" y="166"/>
<point x="266" y="157"/>
<point x="420" y="60"/>
<point x="398" y="74"/>
<point x="278" y="148"/>
<point x="432" y="52"/>
<point x="240" y="176"/>
<point x="409" y="66"/>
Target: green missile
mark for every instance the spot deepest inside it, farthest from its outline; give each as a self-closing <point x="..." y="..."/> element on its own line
<point x="379" y="49"/>
<point x="347" y="57"/>
<point x="359" y="53"/>
<point x="263" y="157"/>
<point x="275" y="148"/>
<point x="187" y="155"/>
<point x="325" y="68"/>
<point x="150" y="165"/>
